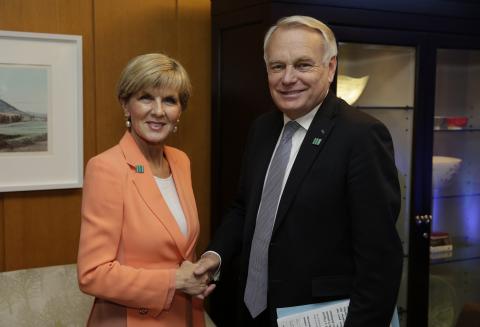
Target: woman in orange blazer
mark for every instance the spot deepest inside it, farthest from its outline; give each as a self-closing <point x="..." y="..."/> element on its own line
<point x="139" y="219"/>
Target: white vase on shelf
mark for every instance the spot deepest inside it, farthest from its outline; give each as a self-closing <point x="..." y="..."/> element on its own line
<point x="443" y="170"/>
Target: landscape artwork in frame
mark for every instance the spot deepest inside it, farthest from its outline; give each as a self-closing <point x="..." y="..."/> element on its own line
<point x="41" y="111"/>
<point x="24" y="103"/>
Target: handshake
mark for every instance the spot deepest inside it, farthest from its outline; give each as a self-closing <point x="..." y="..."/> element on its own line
<point x="194" y="278"/>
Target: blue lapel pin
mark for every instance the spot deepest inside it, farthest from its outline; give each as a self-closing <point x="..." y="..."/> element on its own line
<point x="139" y="169"/>
<point x="316" y="141"/>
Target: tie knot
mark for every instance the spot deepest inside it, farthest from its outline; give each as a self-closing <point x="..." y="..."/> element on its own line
<point x="290" y="129"/>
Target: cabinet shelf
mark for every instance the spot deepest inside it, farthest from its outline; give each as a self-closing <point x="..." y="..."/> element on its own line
<point x="459" y="254"/>
<point x="456" y="196"/>
<point x="445" y="130"/>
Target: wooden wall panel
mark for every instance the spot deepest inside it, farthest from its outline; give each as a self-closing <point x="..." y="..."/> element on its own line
<point x="123" y="30"/>
<point x="2" y="237"/>
<point x="41" y="228"/>
<point x="194" y="137"/>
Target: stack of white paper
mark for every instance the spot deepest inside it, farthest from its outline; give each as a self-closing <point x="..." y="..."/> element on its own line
<point x="328" y="314"/>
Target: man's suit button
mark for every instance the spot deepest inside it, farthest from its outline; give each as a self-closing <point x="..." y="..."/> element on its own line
<point x="142" y="311"/>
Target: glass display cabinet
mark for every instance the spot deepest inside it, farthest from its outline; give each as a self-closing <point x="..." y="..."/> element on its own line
<point x="454" y="265"/>
<point x="414" y="65"/>
<point x="455" y="229"/>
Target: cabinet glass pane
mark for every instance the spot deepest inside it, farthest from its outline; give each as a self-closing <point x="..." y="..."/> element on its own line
<point x="380" y="80"/>
<point x="371" y="75"/>
<point x="455" y="238"/>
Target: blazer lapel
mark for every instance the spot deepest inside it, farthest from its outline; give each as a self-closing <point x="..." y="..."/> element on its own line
<point x="148" y="190"/>
<point x="315" y="139"/>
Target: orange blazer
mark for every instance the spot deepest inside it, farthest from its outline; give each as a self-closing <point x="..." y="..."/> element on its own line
<point x="130" y="244"/>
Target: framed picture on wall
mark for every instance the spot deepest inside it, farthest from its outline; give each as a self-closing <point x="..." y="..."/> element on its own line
<point x="41" y="116"/>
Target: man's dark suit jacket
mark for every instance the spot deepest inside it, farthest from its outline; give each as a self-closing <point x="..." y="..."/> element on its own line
<point x="334" y="235"/>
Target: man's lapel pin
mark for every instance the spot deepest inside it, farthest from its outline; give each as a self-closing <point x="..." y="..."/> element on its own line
<point x="316" y="141"/>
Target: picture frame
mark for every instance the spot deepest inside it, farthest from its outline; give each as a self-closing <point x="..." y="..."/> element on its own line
<point x="41" y="111"/>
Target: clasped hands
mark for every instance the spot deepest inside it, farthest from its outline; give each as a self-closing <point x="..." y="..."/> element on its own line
<point x="194" y="278"/>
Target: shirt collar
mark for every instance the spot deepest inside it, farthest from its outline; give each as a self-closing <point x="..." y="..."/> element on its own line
<point x="306" y="120"/>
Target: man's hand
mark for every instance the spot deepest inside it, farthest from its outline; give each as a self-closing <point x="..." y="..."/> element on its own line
<point x="187" y="282"/>
<point x="207" y="266"/>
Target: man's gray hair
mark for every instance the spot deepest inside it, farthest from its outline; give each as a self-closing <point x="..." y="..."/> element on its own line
<point x="329" y="46"/>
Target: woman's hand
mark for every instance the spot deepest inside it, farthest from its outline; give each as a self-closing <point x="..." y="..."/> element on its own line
<point x="187" y="282"/>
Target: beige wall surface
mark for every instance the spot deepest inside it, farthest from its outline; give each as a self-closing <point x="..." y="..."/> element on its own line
<point x="41" y="228"/>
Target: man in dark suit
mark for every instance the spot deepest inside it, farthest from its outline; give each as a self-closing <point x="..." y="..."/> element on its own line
<point x="314" y="219"/>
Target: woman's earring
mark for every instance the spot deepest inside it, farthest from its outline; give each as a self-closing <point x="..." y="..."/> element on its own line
<point x="175" y="128"/>
<point x="128" y="123"/>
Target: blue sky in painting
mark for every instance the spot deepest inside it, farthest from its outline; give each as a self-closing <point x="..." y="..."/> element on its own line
<point x="25" y="87"/>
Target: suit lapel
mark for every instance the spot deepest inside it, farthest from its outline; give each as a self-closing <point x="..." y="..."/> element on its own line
<point x="148" y="190"/>
<point x="315" y="139"/>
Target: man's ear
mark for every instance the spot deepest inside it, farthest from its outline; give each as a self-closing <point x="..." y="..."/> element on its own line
<point x="332" y="67"/>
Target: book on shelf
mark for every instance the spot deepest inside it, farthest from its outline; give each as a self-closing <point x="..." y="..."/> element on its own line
<point x="441" y="248"/>
<point x="439" y="235"/>
<point x="441" y="255"/>
<point x="440" y="242"/>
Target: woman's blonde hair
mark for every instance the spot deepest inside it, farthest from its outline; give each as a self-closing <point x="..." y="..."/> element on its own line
<point x="154" y="70"/>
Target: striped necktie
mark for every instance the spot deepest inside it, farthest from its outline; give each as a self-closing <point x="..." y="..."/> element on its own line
<point x="255" y="296"/>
